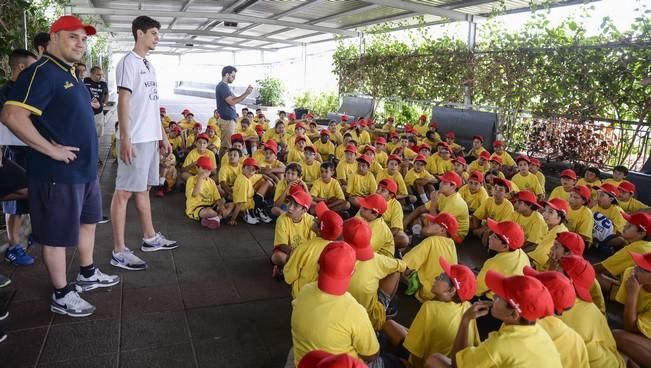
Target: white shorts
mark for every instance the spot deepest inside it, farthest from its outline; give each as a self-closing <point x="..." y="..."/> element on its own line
<point x="99" y="124"/>
<point x="143" y="171"/>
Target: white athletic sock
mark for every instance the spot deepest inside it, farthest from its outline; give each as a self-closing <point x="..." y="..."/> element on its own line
<point x="423" y="197"/>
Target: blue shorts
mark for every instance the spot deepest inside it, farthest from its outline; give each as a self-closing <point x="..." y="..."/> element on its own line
<point x="58" y="209"/>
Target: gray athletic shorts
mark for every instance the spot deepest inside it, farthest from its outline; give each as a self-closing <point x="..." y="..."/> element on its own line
<point x="143" y="171"/>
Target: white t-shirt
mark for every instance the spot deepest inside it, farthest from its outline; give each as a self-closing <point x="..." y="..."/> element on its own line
<point x="138" y="75"/>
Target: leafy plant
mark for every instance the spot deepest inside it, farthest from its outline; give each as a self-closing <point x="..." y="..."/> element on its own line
<point x="271" y="91"/>
<point x="320" y="105"/>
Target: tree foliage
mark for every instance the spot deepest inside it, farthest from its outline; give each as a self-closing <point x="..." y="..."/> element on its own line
<point x="319" y="105"/>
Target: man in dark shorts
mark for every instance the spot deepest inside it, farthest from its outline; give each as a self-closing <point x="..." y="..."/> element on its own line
<point x="49" y="109"/>
<point x="19" y="60"/>
<point x="226" y="101"/>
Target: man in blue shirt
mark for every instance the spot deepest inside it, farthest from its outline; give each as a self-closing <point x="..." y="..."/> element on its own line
<point x="226" y="101"/>
<point x="49" y="109"/>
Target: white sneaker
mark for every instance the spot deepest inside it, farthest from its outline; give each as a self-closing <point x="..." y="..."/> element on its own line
<point x="263" y="216"/>
<point x="160" y="242"/>
<point x="72" y="305"/>
<point x="98" y="280"/>
<point x="250" y="219"/>
<point x="127" y="260"/>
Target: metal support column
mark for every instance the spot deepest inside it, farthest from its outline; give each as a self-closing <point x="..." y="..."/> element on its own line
<point x="304" y="64"/>
<point x="472" y="40"/>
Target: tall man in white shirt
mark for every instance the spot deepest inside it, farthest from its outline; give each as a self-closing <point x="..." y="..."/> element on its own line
<point x="139" y="134"/>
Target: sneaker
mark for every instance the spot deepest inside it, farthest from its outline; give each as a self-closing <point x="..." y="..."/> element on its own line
<point x="160" y="242"/>
<point x="4" y="281"/>
<point x="392" y="311"/>
<point x="259" y="213"/>
<point x="72" y="305"/>
<point x="4" y="315"/>
<point x="17" y="256"/>
<point x="3" y="336"/>
<point x="104" y="220"/>
<point x="250" y="219"/>
<point x="98" y="280"/>
<point x="212" y="223"/>
<point x="127" y="260"/>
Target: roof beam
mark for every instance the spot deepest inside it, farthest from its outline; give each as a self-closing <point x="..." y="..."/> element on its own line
<point x="421" y="8"/>
<point x="211" y="15"/>
<point x="185" y="7"/>
<point x="239" y="6"/>
<point x="207" y="34"/>
<point x="183" y="42"/>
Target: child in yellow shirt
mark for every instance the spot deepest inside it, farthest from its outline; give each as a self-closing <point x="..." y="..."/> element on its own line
<point x="293" y="177"/>
<point x="591" y="178"/>
<point x="526" y="180"/>
<point x="419" y="182"/>
<point x="297" y="153"/>
<point x="526" y="214"/>
<point x="626" y="200"/>
<point x="270" y="167"/>
<point x="473" y="193"/>
<point x="229" y="172"/>
<point x="189" y="167"/>
<point x="568" y="181"/>
<point x="481" y="163"/>
<point x="534" y="168"/>
<point x="362" y="183"/>
<point x="461" y="168"/>
<point x="311" y="166"/>
<point x="554" y="214"/>
<point x="499" y="151"/>
<point x="478" y="147"/>
<point x="393" y="172"/>
<point x="348" y="166"/>
<point x="327" y="189"/>
<point x="579" y="216"/>
<point x="567" y="243"/>
<point x="371" y="209"/>
<point x="619" y="174"/>
<point x="324" y="146"/>
<point x="249" y="201"/>
<point x="456" y="148"/>
<point x="375" y="167"/>
<point x="168" y="175"/>
<point x="609" y="222"/>
<point x="381" y="151"/>
<point x="203" y="202"/>
<point x="214" y="140"/>
<point x="496" y="207"/>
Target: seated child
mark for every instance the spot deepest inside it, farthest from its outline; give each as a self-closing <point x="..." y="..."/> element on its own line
<point x="348" y="166"/>
<point x="619" y="174"/>
<point x="297" y="152"/>
<point x="311" y="166"/>
<point x="568" y="181"/>
<point x="270" y="167"/>
<point x="507" y="160"/>
<point x="481" y="164"/>
<point x="292" y="177"/>
<point x="203" y="202"/>
<point x="534" y="168"/>
<point x="554" y="214"/>
<point x="393" y="172"/>
<point x="381" y="155"/>
<point x="189" y="167"/>
<point x="532" y="222"/>
<point x="456" y="148"/>
<point x="394" y="216"/>
<point x="626" y="198"/>
<point x="324" y="146"/>
<point x="497" y="207"/>
<point x="579" y="216"/>
<point x="423" y="259"/>
<point x="441" y="162"/>
<point x="591" y="178"/>
<point x="375" y="167"/>
<point x="478" y="148"/>
<point x="191" y="136"/>
<point x="372" y="208"/>
<point x="362" y="183"/>
<point x="168" y="175"/>
<point x="567" y="243"/>
<point x="461" y="168"/>
<point x="608" y="220"/>
<point x="247" y="200"/>
<point x="237" y="141"/>
<point x="419" y="181"/>
<point x="292" y="228"/>
<point x="229" y="172"/>
<point x="474" y="193"/>
<point x="327" y="189"/>
<point x="524" y="179"/>
<point x="214" y="140"/>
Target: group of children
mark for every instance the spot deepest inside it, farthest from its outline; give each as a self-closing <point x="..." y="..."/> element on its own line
<point x="358" y="209"/>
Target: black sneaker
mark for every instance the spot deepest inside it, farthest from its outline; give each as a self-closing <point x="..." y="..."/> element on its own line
<point x="3" y="336"/>
<point x="392" y="311"/>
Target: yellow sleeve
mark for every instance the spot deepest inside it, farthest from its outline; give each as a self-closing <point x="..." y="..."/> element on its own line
<point x="481" y="213"/>
<point x="389" y="265"/>
<point x="341" y="171"/>
<point x="338" y="192"/>
<point x="281" y="232"/>
<point x="644" y="323"/>
<point x="365" y="341"/>
<point x="618" y="262"/>
<point x="418" y="336"/>
<point x="240" y="189"/>
<point x="372" y="184"/>
<point x="477" y="356"/>
<point x="417" y="256"/>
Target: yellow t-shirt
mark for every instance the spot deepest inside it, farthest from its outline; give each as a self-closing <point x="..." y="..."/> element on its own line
<point x="541" y="179"/>
<point x="512" y="346"/>
<point x="476" y="166"/>
<point x="229" y="173"/>
<point x="303" y="266"/>
<point x="294" y="155"/>
<point x="586" y="319"/>
<point x="534" y="225"/>
<point x="365" y="283"/>
<point x="189" y="141"/>
<point x="176" y="142"/>
<point x="424" y="260"/>
<point x="581" y="222"/>
<point x="326" y="191"/>
<point x="345" y="169"/>
<point x="394" y="216"/>
<point x="621" y="260"/>
<point x="208" y="195"/>
<point x="613" y="181"/>
<point x="540" y="255"/>
<point x="435" y="328"/>
<point x="455" y="206"/>
<point x="643" y="305"/>
<point x="272" y="134"/>
<point x="281" y="187"/>
<point x="598" y="296"/>
<point x="243" y="192"/>
<point x="194" y="155"/>
<point x="381" y="237"/>
<point x="529" y="182"/>
<point x="569" y="344"/>
<point x="311" y="172"/>
<point x="381" y="157"/>
<point x="362" y="138"/>
<point x="436" y="165"/>
<point x="224" y="159"/>
<point x="412" y="175"/>
<point x="325" y="149"/>
<point x="293" y="233"/>
<point x="632" y="205"/>
<point x="473" y="200"/>
<point x="559" y="192"/>
<point x="476" y="152"/>
<point x="507" y="263"/>
<point x="336" y="324"/>
<point x="614" y="214"/>
<point x="498" y="212"/>
<point x="215" y="140"/>
<point x="596" y="183"/>
<point x="507" y="160"/>
<point x="361" y="185"/>
<point x="397" y="177"/>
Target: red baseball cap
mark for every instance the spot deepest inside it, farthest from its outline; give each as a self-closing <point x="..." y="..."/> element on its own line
<point x="581" y="273"/>
<point x="478" y="137"/>
<point x="534" y="161"/>
<point x="460" y="160"/>
<point x="368" y="147"/>
<point x="642" y="260"/>
<point x="394" y="135"/>
<point x="503" y="182"/>
<point x="358" y="234"/>
<point x="344" y="117"/>
<point x="434" y="125"/>
<point x="197" y="125"/>
<point x="557" y="204"/>
<point x="608" y="189"/>
<point x="336" y="266"/>
<point x="210" y="127"/>
<point x="523" y="158"/>
<point x="583" y="191"/>
<point x="291" y="116"/>
<point x="496" y="158"/>
<point x="374" y="202"/>
<point x="626" y="186"/>
<point x="250" y="162"/>
<point x="299" y="138"/>
<point x="568" y="173"/>
<point x="381" y="140"/>
<point x="572" y="242"/>
<point x="527" y="196"/>
<point x="325" y="132"/>
<point x="422" y="117"/>
<point x="451" y="177"/>
<point x="310" y="149"/>
<point x="310" y="115"/>
<point x="271" y="145"/>
<point x="299" y="125"/>
<point x="450" y="135"/>
<point x="203" y="136"/>
<point x="394" y="158"/>
<point x="560" y="288"/>
<point x="351" y="148"/>
<point x="71" y="23"/>
<point x="485" y="155"/>
<point x="462" y="277"/>
<point x="445" y="145"/>
<point x="364" y="158"/>
<point x="390" y="185"/>
<point x="448" y="222"/>
<point x="177" y="129"/>
<point x="330" y="223"/>
<point x="322" y="359"/>
<point x="420" y="158"/>
<point x="362" y="123"/>
<point x="509" y="231"/>
<point x="409" y="128"/>
<point x="640" y="219"/>
<point x="237" y="137"/>
<point x="205" y="162"/>
<point x="162" y="109"/>
<point x="525" y="294"/>
<point x="476" y="175"/>
<point x="424" y="146"/>
<point x="301" y="197"/>
<point x="259" y="128"/>
<point x="498" y="143"/>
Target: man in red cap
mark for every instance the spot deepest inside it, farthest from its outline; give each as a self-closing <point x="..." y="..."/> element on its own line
<point x="293" y="228"/>
<point x="635" y="293"/>
<point x="586" y="319"/>
<point x="326" y="317"/>
<point x="520" y="301"/>
<point x="62" y="163"/>
<point x="609" y="222"/>
<point x="301" y="268"/>
<point x="579" y="216"/>
<point x="568" y="181"/>
<point x="371" y="209"/>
